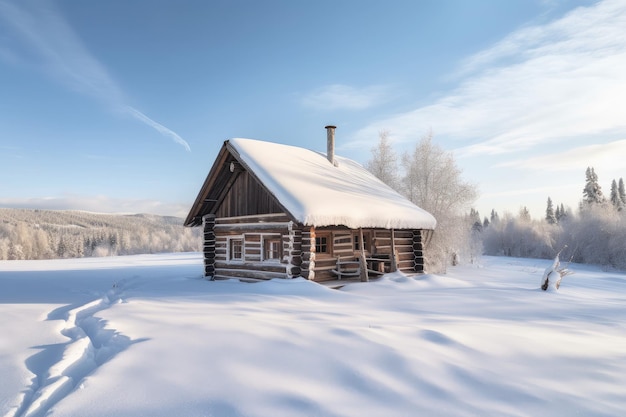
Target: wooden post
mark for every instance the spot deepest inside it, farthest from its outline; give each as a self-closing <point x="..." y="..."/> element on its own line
<point x="308" y="254"/>
<point x="393" y="260"/>
<point x="209" y="246"/>
<point x="364" y="275"/>
<point x="418" y="251"/>
<point x="292" y="249"/>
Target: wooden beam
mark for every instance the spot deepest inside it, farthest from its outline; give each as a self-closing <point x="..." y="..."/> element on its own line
<point x="364" y="274"/>
<point x="394" y="263"/>
<point x="252" y="226"/>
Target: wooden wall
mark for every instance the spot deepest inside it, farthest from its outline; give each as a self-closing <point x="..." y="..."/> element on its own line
<point x="418" y="251"/>
<point x="209" y="245"/>
<point x="407" y="247"/>
<point x="246" y="197"/>
<point x="298" y="248"/>
<point x="253" y="230"/>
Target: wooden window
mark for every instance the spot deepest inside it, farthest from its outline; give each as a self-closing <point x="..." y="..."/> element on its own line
<point x="366" y="241"/>
<point x="235" y="247"/>
<point x="322" y="244"/>
<point x="272" y="249"/>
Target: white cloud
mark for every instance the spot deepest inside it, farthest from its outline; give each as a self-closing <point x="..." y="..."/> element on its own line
<point x="339" y="96"/>
<point x="44" y="38"/>
<point x="541" y="84"/>
<point x="525" y="191"/>
<point x="98" y="204"/>
<point x="609" y="156"/>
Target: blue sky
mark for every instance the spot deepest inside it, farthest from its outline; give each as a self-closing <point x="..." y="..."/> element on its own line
<point x="121" y="106"/>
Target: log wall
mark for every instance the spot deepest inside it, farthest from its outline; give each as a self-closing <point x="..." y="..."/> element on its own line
<point x="292" y="250"/>
<point x="418" y="251"/>
<point x="253" y="231"/>
<point x="298" y="255"/>
<point x="209" y="246"/>
<point x="407" y="248"/>
<point x="308" y="253"/>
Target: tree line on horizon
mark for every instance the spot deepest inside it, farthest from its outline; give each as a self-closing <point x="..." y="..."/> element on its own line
<point x="594" y="233"/>
<point x="27" y="234"/>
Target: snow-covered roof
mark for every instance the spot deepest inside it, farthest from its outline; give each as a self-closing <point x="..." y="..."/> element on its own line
<point x="318" y="193"/>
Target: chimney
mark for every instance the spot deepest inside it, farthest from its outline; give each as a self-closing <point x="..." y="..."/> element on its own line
<point x="330" y="144"/>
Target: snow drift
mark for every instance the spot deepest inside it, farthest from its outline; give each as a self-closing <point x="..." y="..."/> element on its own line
<point x="146" y="335"/>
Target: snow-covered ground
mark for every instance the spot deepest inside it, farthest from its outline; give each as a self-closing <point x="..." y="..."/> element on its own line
<point x="147" y="336"/>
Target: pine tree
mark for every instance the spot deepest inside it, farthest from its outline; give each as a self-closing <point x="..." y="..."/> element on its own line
<point x="592" y="193"/>
<point x="550" y="217"/>
<point x="61" y="248"/>
<point x="485" y="222"/>
<point x="524" y="214"/>
<point x="621" y="192"/>
<point x="563" y="212"/>
<point x="474" y="218"/>
<point x="494" y="216"/>
<point x="557" y="213"/>
<point x="616" y="201"/>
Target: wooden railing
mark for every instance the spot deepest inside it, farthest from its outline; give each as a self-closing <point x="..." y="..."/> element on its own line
<point x="347" y="268"/>
<point x="377" y="264"/>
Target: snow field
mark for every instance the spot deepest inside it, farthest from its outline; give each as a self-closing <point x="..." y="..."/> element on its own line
<point x="477" y="341"/>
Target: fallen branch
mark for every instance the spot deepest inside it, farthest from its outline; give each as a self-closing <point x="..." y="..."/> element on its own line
<point x="555" y="272"/>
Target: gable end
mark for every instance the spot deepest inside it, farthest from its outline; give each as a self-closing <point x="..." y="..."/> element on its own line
<point x="232" y="190"/>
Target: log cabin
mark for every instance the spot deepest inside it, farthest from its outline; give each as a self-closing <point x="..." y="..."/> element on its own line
<point x="270" y="210"/>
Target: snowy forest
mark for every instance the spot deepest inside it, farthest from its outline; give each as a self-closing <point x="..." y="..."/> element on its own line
<point x="593" y="233"/>
<point x="48" y="234"/>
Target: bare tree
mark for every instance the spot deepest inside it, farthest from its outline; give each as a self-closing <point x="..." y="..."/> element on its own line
<point x="384" y="162"/>
<point x="433" y="181"/>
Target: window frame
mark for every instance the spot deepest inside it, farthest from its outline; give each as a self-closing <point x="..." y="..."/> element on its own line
<point x="268" y="241"/>
<point x="329" y="244"/>
<point x="230" y="249"/>
<point x="367" y="238"/>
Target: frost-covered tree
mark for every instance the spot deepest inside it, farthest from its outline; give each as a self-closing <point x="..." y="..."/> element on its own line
<point x="15" y="252"/>
<point x="61" y="247"/>
<point x="384" y="162"/>
<point x="551" y="218"/>
<point x="563" y="213"/>
<point x="592" y="193"/>
<point x="598" y="235"/>
<point x="42" y="234"/>
<point x="433" y="181"/>
<point x="621" y="192"/>
<point x="475" y="246"/>
<point x="474" y="219"/>
<point x="494" y="216"/>
<point x="615" y="198"/>
<point x="557" y="213"/>
<point x="517" y="236"/>
<point x="524" y="214"/>
<point x="594" y="234"/>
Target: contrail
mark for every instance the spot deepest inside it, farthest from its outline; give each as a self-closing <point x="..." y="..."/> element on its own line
<point x="42" y="35"/>
<point x="157" y="126"/>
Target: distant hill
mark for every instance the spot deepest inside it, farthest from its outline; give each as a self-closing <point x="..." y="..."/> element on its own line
<point x="48" y="234"/>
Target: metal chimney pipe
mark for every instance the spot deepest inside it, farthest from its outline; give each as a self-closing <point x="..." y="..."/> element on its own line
<point x="330" y="143"/>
